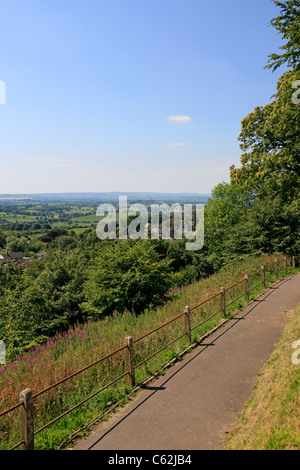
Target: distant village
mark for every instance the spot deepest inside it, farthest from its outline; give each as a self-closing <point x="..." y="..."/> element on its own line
<point x="17" y="258"/>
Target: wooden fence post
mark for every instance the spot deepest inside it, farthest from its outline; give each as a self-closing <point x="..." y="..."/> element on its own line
<point x="276" y="268"/>
<point x="246" y="287"/>
<point x="222" y="301"/>
<point x="187" y="323"/>
<point x="293" y="262"/>
<point x="263" y="281"/>
<point x="129" y="360"/>
<point x="285" y="263"/>
<point x="26" y="419"/>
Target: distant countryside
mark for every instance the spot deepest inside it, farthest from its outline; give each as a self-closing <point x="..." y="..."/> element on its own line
<point x="26" y="219"/>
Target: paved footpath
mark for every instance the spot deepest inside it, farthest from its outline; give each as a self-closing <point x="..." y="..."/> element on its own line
<point x="198" y="399"/>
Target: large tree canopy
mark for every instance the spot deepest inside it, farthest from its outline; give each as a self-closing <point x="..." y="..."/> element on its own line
<point x="259" y="211"/>
<point x="288" y="25"/>
<point x="270" y="141"/>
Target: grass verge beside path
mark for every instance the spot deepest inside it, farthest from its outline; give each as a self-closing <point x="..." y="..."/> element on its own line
<point x="271" y="418"/>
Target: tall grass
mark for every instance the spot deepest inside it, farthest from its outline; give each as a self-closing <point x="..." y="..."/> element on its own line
<point x="66" y="353"/>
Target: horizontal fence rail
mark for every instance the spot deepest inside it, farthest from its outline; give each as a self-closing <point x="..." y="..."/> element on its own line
<point x="26" y="401"/>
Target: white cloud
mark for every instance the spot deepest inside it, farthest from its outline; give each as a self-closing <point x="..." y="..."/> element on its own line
<point x="179" y="118"/>
<point x="176" y="144"/>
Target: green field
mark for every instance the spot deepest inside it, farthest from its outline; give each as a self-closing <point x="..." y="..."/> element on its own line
<point x="26" y="216"/>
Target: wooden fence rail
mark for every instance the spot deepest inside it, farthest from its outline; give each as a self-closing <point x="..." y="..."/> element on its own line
<point x="26" y="401"/>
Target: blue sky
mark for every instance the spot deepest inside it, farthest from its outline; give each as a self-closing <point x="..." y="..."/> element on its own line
<point x="90" y="86"/>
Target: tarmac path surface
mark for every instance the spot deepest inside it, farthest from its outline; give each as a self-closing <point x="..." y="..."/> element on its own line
<point x="196" y="402"/>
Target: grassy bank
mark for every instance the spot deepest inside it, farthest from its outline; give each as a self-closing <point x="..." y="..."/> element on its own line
<point x="271" y="419"/>
<point x="65" y="354"/>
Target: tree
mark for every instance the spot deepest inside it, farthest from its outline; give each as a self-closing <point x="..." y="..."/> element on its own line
<point x="126" y="275"/>
<point x="288" y="25"/>
<point x="227" y="230"/>
<point x="15" y="244"/>
<point x="2" y="239"/>
<point x="52" y="293"/>
<point x="275" y="226"/>
<point x="52" y="234"/>
<point x="270" y="140"/>
<point x="270" y="167"/>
